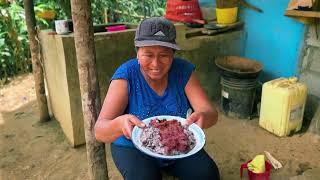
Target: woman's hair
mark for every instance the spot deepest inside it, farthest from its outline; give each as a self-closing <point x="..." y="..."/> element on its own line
<point x="137" y="48"/>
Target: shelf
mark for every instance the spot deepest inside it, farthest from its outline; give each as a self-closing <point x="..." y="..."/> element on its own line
<point x="309" y="14"/>
<point x="307" y="17"/>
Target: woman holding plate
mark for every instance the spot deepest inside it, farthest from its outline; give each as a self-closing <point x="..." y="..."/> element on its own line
<point x="155" y="83"/>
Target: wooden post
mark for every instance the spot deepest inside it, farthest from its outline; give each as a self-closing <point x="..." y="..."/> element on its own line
<point x="105" y="14"/>
<point x="36" y="61"/>
<point x="89" y="86"/>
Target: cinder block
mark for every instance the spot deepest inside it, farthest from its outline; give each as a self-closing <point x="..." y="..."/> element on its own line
<point x="311" y="38"/>
<point x="312" y="80"/>
<point x="315" y="123"/>
<point x="314" y="57"/>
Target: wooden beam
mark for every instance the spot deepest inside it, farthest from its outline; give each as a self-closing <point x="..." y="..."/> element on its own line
<point x="310" y="14"/>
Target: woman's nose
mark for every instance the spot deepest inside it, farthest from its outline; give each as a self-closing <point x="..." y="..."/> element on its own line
<point x="155" y="62"/>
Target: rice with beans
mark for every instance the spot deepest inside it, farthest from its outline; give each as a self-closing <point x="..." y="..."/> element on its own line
<point x="167" y="137"/>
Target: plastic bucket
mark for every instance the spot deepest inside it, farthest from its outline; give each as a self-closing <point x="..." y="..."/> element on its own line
<point x="227" y="15"/>
<point x="238" y="96"/>
<point x="183" y="11"/>
<point x="257" y="176"/>
<point x="208" y="10"/>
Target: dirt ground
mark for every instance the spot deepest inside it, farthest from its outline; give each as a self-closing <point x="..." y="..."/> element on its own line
<point x="30" y="150"/>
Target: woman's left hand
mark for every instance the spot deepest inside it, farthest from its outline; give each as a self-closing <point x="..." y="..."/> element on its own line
<point x="196" y="117"/>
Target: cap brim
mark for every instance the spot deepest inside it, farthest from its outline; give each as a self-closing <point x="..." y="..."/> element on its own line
<point x="156" y="43"/>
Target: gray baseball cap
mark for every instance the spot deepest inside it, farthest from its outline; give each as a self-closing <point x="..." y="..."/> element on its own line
<point x="156" y="31"/>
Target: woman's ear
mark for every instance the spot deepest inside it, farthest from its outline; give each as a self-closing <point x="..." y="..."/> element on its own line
<point x="138" y="57"/>
<point x="138" y="52"/>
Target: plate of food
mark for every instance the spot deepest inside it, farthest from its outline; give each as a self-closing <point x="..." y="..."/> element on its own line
<point x="167" y="137"/>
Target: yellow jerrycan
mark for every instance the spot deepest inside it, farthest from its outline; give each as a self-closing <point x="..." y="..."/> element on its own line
<point x="282" y="106"/>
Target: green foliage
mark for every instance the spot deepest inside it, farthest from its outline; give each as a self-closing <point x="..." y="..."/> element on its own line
<point x="14" y="47"/>
<point x="138" y="8"/>
<point x="131" y="10"/>
<point x="14" y="50"/>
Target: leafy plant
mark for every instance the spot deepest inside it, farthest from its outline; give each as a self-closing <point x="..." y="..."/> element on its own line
<point x="126" y="11"/>
<point x="14" y="50"/>
<point x="15" y="55"/>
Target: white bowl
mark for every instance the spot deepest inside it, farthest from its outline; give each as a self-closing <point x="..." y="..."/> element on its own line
<point x="197" y="132"/>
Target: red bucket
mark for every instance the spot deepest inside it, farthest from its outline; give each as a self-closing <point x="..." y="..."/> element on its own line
<point x="187" y="11"/>
<point x="257" y="176"/>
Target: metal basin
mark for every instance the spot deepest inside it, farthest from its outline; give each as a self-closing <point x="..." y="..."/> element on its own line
<point x="238" y="67"/>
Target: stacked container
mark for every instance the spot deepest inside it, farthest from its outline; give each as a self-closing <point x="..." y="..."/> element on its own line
<point x="238" y="85"/>
<point x="282" y="106"/>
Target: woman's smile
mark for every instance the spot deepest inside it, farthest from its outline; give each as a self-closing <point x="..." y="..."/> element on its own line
<point x="155" y="62"/>
<point x="156" y="71"/>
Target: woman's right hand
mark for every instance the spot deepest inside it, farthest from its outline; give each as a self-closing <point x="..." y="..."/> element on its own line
<point x="128" y="121"/>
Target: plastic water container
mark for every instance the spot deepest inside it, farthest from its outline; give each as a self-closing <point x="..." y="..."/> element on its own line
<point x="282" y="106"/>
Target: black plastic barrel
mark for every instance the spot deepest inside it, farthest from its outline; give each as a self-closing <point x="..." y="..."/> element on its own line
<point x="238" y="85"/>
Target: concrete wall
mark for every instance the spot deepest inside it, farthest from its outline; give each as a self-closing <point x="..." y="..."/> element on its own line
<point x="310" y="75"/>
<point x="272" y="38"/>
<point x="112" y="49"/>
<point x="204" y="54"/>
<point x="286" y="47"/>
<point x="62" y="74"/>
<point x="59" y="82"/>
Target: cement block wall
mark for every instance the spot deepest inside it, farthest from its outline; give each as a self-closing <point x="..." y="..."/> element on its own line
<point x="61" y="84"/>
<point x="310" y="75"/>
<point x="112" y="49"/>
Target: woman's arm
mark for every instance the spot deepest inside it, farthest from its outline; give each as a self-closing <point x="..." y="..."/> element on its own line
<point x="205" y="114"/>
<point x="111" y="122"/>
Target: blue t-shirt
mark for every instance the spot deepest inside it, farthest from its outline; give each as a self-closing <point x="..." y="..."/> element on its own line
<point x="144" y="102"/>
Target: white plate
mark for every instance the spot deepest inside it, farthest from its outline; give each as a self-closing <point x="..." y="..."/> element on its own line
<point x="197" y="131"/>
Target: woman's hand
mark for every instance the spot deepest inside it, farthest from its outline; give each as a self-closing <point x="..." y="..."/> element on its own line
<point x="196" y="117"/>
<point x="128" y="121"/>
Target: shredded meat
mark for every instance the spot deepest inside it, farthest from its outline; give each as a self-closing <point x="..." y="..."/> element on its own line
<point x="167" y="137"/>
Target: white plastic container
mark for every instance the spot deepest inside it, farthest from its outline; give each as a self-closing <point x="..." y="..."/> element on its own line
<point x="62" y="26"/>
<point x="208" y="9"/>
<point x="282" y="106"/>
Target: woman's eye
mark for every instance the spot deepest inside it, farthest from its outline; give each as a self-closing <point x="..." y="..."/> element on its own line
<point x="164" y="55"/>
<point x="148" y="55"/>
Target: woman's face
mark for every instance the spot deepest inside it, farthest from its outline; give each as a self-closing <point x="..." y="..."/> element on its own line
<point x="155" y="61"/>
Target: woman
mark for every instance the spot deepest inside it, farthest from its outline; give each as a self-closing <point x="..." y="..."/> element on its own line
<point x="155" y="83"/>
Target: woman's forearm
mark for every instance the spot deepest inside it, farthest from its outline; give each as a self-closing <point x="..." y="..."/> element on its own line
<point x="108" y="130"/>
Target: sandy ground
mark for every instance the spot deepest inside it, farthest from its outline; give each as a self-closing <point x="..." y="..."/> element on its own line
<point x="30" y="150"/>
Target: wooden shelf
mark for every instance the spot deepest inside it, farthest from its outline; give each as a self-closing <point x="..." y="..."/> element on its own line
<point x="310" y="14"/>
<point x="307" y="17"/>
